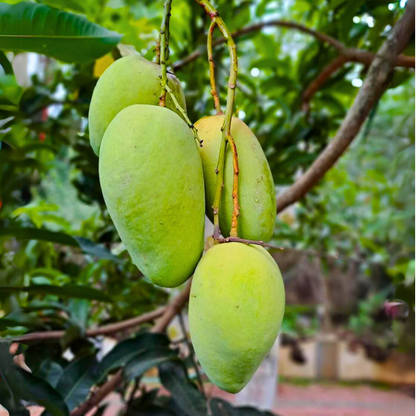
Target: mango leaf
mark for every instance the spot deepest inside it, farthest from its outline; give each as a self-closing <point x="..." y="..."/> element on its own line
<point x="146" y="360"/>
<point x="220" y="407"/>
<point x="65" y="36"/>
<point x="25" y="386"/>
<point x="185" y="394"/>
<point x="128" y="349"/>
<point x="87" y="246"/>
<point x="76" y="381"/>
<point x="68" y="291"/>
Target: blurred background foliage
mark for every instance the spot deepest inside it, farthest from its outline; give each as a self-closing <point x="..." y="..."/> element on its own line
<point x="363" y="211"/>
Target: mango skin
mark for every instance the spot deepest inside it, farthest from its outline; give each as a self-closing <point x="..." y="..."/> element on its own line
<point x="236" y="308"/>
<point x="256" y="187"/>
<point x="129" y="80"/>
<point x="152" y="181"/>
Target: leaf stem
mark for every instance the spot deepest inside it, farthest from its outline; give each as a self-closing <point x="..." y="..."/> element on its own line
<point x="226" y="127"/>
<point x="214" y="91"/>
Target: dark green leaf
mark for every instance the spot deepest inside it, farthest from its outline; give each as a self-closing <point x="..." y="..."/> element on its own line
<point x="38" y="28"/>
<point x="174" y="378"/>
<point x="146" y="360"/>
<point x="76" y="381"/>
<point x="61" y="238"/>
<point x="25" y="386"/>
<point x="126" y="350"/>
<point x="68" y="291"/>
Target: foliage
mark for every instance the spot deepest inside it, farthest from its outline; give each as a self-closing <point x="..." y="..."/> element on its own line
<point x="56" y="235"/>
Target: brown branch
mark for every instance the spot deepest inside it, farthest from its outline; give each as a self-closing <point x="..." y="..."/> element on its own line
<point x="353" y="54"/>
<point x="374" y="86"/>
<point x="102" y="330"/>
<point x="168" y="314"/>
<point x="322" y="78"/>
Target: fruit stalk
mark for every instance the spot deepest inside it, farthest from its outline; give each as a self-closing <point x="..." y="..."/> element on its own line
<point x="214" y="91"/>
<point x="183" y="112"/>
<point x="164" y="49"/>
<point x="226" y="128"/>
<point x="162" y="56"/>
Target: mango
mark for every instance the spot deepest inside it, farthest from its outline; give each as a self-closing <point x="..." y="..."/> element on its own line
<point x="256" y="188"/>
<point x="236" y="308"/>
<point x="152" y="181"/>
<point x="129" y="80"/>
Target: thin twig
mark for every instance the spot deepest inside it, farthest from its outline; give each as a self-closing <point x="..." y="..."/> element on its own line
<point x="353" y="54"/>
<point x="191" y="353"/>
<point x="214" y="91"/>
<point x="375" y="84"/>
<point x="322" y="78"/>
<point x="102" y="330"/>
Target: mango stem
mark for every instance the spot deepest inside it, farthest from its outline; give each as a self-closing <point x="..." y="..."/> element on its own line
<point x="211" y="63"/>
<point x="226" y="127"/>
<point x="164" y="49"/>
<point x="162" y="55"/>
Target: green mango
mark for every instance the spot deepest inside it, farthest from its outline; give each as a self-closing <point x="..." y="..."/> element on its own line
<point x="236" y="308"/>
<point x="152" y="181"/>
<point x="256" y="188"/>
<point x="129" y="80"/>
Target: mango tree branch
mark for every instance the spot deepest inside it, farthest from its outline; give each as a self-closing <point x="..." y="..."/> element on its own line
<point x="94" y="332"/>
<point x="374" y="86"/>
<point x="322" y="78"/>
<point x="214" y="91"/>
<point x="226" y="127"/>
<point x="169" y="313"/>
<point x="353" y="54"/>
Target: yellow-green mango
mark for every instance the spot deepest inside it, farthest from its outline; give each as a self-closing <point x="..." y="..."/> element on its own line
<point x="256" y="188"/>
<point x="152" y="181"/>
<point x="236" y="308"/>
<point x="129" y="80"/>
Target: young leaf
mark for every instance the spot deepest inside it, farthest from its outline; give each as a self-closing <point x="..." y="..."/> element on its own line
<point x="146" y="360"/>
<point x="174" y="378"/>
<point x="65" y="36"/>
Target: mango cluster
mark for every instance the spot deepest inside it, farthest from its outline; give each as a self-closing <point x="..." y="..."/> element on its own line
<point x="158" y="184"/>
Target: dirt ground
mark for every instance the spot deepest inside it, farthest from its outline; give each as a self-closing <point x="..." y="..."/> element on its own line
<point x="317" y="400"/>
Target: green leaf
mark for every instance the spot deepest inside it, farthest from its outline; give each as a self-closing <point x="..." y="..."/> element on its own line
<point x="87" y="246"/>
<point x="146" y="360"/>
<point x="187" y="397"/>
<point x="68" y="291"/>
<point x="128" y="349"/>
<point x="76" y="381"/>
<point x="10" y="90"/>
<point x="65" y="36"/>
<point x="25" y="386"/>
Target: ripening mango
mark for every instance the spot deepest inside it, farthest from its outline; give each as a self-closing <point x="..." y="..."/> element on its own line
<point x="129" y="80"/>
<point x="152" y="181"/>
<point x="236" y="308"/>
<point x="256" y="188"/>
